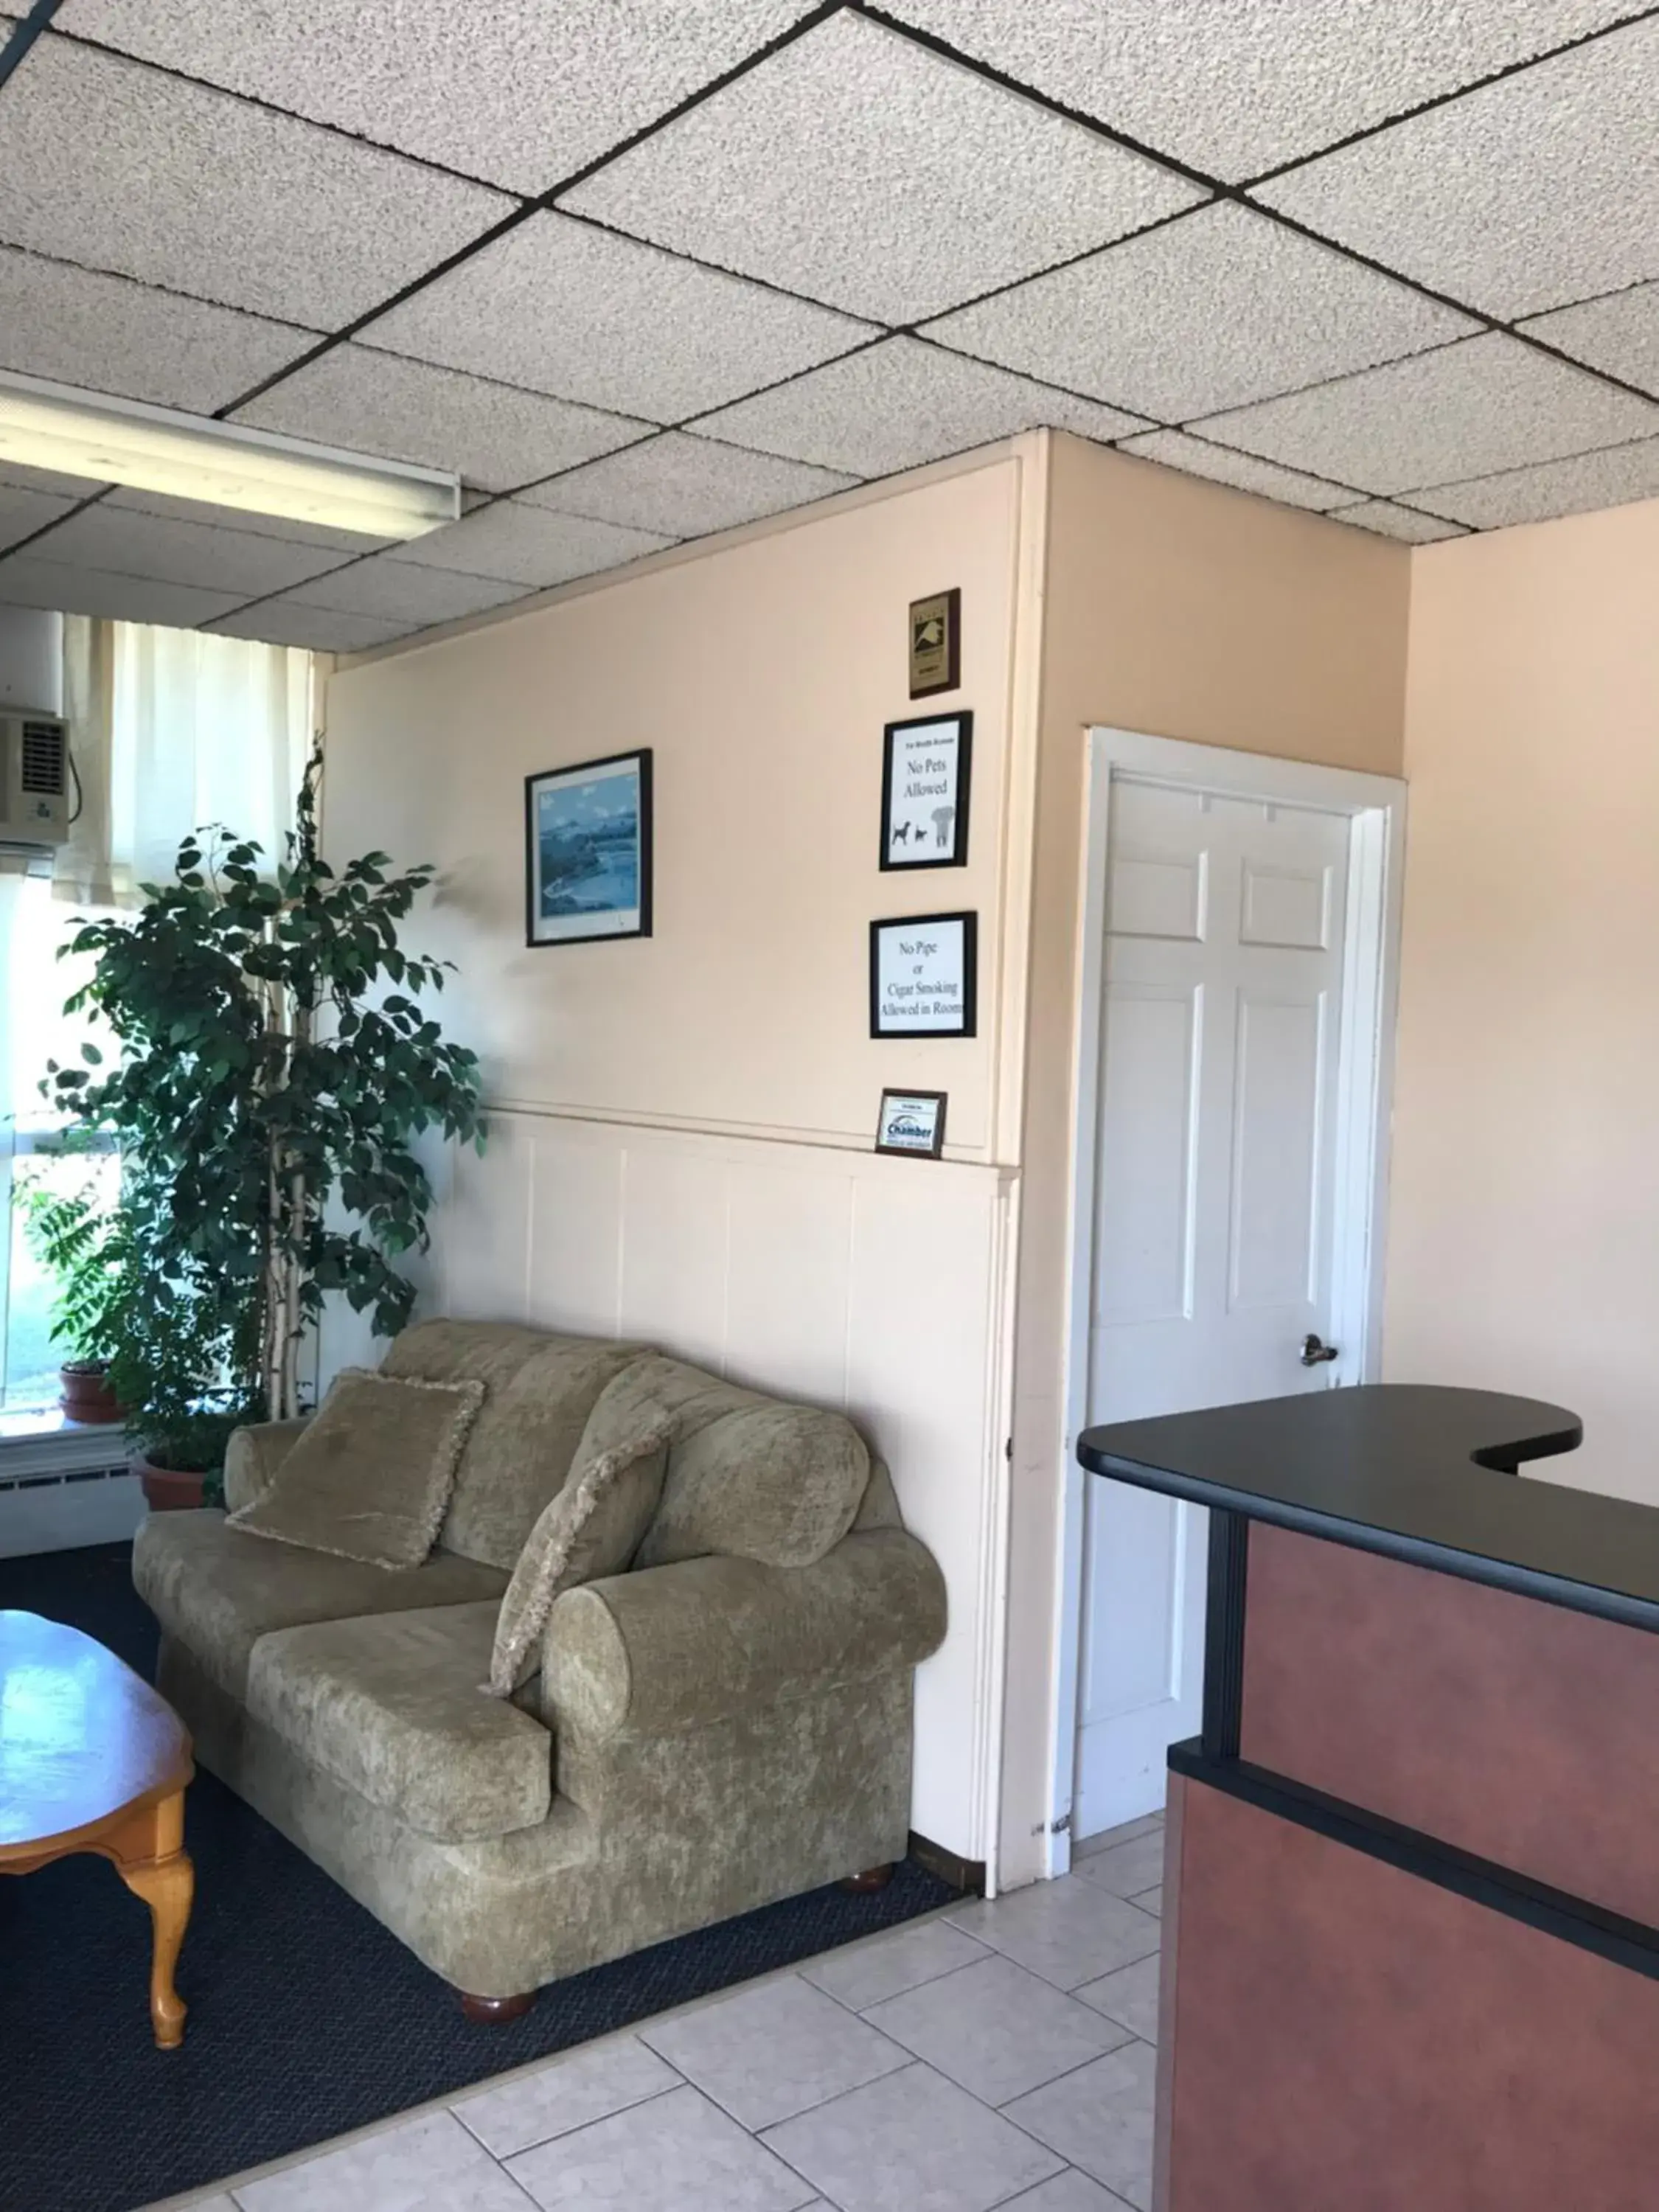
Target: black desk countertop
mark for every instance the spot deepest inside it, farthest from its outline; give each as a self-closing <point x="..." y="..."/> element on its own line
<point x="1417" y="1472"/>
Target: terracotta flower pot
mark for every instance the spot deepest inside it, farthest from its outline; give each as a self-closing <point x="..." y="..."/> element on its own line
<point x="85" y="1393"/>
<point x="166" y="1491"/>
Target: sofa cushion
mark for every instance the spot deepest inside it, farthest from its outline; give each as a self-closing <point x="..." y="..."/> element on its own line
<point x="749" y="1477"/>
<point x="369" y="1477"/>
<point x="879" y="1507"/>
<point x="539" y="1392"/>
<point x="219" y="1590"/>
<point x="592" y="1529"/>
<point x="390" y="1706"/>
<point x="253" y="1454"/>
<point x="779" y="1484"/>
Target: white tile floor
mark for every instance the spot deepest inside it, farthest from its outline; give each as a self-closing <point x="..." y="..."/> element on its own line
<point x="998" y="2054"/>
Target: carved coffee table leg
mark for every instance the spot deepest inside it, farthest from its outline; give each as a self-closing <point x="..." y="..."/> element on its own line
<point x="166" y="1880"/>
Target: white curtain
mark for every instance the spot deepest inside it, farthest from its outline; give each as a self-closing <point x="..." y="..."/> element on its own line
<point x="171" y="729"/>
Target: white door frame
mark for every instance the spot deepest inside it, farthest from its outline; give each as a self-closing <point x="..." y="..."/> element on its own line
<point x="1376" y="808"/>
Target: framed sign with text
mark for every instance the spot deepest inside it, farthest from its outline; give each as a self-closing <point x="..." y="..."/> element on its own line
<point x="912" y="1121"/>
<point x="923" y="975"/>
<point x="924" y="771"/>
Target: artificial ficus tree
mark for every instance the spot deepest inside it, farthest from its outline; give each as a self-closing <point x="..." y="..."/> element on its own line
<point x="275" y="1070"/>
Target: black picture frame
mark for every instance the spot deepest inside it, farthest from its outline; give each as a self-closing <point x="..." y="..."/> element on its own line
<point x="955" y="855"/>
<point x="969" y="984"/>
<point x="542" y="929"/>
<point x="934" y="1148"/>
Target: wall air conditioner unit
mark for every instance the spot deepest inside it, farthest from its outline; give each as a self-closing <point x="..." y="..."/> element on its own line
<point x="34" y="779"/>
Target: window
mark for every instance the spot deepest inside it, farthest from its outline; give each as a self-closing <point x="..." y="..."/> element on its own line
<point x="33" y="1029"/>
<point x="169" y="730"/>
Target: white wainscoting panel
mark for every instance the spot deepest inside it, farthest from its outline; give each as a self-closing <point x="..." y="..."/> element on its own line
<point x="845" y="1278"/>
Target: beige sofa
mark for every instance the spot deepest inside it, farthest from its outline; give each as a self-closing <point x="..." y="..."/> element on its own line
<point x="727" y="1723"/>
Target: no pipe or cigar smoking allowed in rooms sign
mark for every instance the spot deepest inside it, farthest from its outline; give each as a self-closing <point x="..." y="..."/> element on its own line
<point x="922" y="975"/>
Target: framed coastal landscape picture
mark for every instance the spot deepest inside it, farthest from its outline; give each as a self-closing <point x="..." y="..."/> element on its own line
<point x="587" y="850"/>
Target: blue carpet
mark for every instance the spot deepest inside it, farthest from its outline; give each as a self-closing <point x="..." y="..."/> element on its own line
<point x="307" y="2018"/>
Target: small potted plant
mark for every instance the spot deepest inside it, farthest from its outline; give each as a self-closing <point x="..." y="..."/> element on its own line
<point x="181" y="1462"/>
<point x="175" y="1361"/>
<point x="81" y="1242"/>
<point x="87" y="1394"/>
<point x="149" y="1347"/>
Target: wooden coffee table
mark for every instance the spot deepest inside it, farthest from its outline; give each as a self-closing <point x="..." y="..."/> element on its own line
<point x="92" y="1760"/>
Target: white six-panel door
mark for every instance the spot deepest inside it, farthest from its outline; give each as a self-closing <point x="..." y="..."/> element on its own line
<point x="1214" y="1179"/>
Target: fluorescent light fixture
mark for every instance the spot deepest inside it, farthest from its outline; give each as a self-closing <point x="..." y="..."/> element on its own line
<point x="51" y="425"/>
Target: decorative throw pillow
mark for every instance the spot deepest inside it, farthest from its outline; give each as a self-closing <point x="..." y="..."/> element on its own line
<point x="592" y="1529"/>
<point x="540" y="1389"/>
<point x="768" y="1481"/>
<point x="370" y="1477"/>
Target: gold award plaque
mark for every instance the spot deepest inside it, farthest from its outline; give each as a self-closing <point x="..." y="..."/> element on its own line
<point x="935" y="643"/>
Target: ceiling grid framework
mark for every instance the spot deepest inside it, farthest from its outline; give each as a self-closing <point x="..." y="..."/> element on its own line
<point x="641" y="272"/>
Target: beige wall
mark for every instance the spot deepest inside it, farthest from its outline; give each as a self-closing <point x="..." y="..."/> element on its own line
<point x="682" y="1126"/>
<point x="1179" y="609"/>
<point x="1524" y="1244"/>
<point x="760" y="674"/>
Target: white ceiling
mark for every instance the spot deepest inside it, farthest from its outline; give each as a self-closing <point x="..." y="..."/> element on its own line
<point x="642" y="269"/>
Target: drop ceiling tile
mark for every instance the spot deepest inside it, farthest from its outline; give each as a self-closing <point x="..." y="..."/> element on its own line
<point x="129" y="542"/>
<point x="858" y="168"/>
<point x="1222" y="307"/>
<point x="236" y="518"/>
<point x="389" y="589"/>
<point x="494" y="434"/>
<point x="1484" y="404"/>
<point x="1619" y="333"/>
<point x="900" y="404"/>
<point x="527" y="545"/>
<point x="26" y="582"/>
<point x="557" y="306"/>
<point x="1383" y="518"/>
<point x="686" y="487"/>
<point x="1610" y="477"/>
<point x="1197" y="457"/>
<point x="518" y="92"/>
<point x="113" y="165"/>
<point x="1235" y="89"/>
<point x="23" y="511"/>
<point x="108" y="334"/>
<point x="284" y="622"/>
<point x="1540" y="189"/>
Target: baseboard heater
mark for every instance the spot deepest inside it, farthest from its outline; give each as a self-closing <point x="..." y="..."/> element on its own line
<point x="59" y="1509"/>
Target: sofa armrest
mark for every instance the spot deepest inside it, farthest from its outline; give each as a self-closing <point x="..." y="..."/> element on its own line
<point x="672" y="1648"/>
<point x="252" y="1457"/>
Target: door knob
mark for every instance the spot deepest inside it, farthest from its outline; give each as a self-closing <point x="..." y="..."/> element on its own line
<point x="1315" y="1354"/>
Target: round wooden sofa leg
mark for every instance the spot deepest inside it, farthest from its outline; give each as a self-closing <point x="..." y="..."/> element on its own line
<point x="873" y="1878"/>
<point x="480" y="2011"/>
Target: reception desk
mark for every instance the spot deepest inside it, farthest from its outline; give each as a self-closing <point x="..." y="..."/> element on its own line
<point x="1411" y="1865"/>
